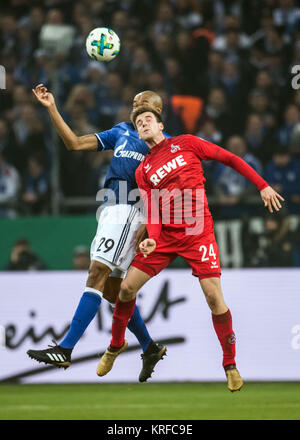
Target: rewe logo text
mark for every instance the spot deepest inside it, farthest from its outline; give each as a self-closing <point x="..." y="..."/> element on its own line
<point x="167" y="168"/>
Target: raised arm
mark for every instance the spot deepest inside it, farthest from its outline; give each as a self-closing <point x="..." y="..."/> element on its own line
<point x="269" y="196"/>
<point x="71" y="141"/>
<point x="209" y="151"/>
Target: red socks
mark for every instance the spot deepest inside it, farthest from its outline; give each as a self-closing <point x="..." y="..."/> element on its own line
<point x="223" y="327"/>
<point x="122" y="313"/>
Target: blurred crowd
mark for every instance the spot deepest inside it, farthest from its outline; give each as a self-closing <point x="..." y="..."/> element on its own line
<point x="223" y="69"/>
<point x="24" y="258"/>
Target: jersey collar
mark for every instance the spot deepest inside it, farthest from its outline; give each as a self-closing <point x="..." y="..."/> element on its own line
<point x="157" y="146"/>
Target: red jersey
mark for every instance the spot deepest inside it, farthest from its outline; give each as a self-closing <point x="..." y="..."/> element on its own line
<point x="175" y="165"/>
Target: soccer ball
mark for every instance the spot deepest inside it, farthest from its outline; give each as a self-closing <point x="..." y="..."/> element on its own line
<point x="102" y="44"/>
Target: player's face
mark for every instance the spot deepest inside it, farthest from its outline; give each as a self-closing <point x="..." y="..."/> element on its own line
<point x="148" y="127"/>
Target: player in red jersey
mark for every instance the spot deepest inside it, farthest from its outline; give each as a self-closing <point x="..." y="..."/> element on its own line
<point x="174" y="165"/>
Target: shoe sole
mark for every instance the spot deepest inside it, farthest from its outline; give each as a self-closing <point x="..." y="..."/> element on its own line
<point x="238" y="389"/>
<point x="161" y="354"/>
<point x="64" y="365"/>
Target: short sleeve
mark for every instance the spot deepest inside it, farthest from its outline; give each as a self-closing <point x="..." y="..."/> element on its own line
<point x="107" y="139"/>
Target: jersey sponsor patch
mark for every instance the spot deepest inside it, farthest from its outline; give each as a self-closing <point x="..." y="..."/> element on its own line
<point x="121" y="152"/>
<point x="174" y="148"/>
<point x="167" y="168"/>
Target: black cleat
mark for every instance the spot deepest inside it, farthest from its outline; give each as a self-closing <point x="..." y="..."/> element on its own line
<point x="150" y="360"/>
<point x="55" y="355"/>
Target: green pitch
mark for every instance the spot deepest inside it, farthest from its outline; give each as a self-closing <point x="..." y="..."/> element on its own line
<point x="151" y="401"/>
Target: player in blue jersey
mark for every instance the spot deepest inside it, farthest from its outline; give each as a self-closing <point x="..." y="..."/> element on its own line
<point x="120" y="228"/>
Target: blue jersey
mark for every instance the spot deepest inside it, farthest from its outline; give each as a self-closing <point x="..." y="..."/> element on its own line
<point x="129" y="152"/>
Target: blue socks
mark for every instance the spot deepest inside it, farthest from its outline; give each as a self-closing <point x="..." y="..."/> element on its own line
<point x="137" y="326"/>
<point x="85" y="312"/>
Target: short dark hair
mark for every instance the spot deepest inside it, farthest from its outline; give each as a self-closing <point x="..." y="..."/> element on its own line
<point x="143" y="109"/>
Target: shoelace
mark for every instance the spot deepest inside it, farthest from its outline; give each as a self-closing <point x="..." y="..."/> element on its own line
<point x="55" y="344"/>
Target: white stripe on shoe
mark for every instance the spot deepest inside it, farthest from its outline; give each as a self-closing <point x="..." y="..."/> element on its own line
<point x="50" y="356"/>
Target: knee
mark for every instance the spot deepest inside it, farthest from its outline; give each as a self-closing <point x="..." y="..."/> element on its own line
<point x="127" y="291"/>
<point x="111" y="289"/>
<point x="212" y="295"/>
<point x="95" y="272"/>
<point x="98" y="274"/>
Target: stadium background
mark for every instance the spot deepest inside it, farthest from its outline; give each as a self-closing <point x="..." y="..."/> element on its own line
<point x="224" y="71"/>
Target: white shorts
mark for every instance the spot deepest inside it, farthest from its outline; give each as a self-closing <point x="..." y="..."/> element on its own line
<point x="113" y="244"/>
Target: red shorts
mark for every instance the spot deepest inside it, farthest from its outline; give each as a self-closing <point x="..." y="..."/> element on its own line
<point x="201" y="252"/>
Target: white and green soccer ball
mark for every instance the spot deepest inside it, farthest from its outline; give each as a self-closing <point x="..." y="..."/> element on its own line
<point x="102" y="44"/>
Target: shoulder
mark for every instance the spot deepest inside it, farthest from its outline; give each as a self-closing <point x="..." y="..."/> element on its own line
<point x="186" y="140"/>
<point x="120" y="127"/>
<point x="181" y="139"/>
<point x="123" y="127"/>
<point x="126" y="127"/>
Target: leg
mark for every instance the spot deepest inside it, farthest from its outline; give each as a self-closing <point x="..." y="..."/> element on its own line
<point x="102" y="264"/>
<point x="124" y="309"/>
<point x="221" y="318"/>
<point x="136" y="324"/>
<point x="152" y="352"/>
<point x="88" y="305"/>
<point x="98" y="274"/>
<point x="213" y="294"/>
<point x="133" y="282"/>
<point x="111" y="289"/>
<point x="222" y="322"/>
<point x="60" y="355"/>
<point x="138" y="274"/>
<point x="125" y="304"/>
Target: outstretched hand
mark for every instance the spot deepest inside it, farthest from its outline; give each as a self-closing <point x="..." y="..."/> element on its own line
<point x="43" y="96"/>
<point x="271" y="198"/>
<point x="147" y="246"/>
